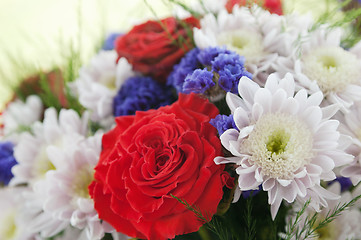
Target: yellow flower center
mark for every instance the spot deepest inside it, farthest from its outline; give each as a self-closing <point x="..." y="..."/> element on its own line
<point x="245" y="43"/>
<point x="277" y="141"/>
<point x="42" y="163"/>
<point x="280" y="144"/>
<point x="82" y="180"/>
<point x="333" y="68"/>
<point x="8" y="228"/>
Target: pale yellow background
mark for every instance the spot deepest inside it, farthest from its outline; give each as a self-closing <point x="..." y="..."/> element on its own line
<point x="35" y="34"/>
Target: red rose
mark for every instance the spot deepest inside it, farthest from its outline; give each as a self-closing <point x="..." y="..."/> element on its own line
<point x="274" y="6"/>
<point x="154" y="47"/>
<point x="148" y="157"/>
<point x="32" y="85"/>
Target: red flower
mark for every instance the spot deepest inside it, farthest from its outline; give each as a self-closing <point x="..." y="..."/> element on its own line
<point x="154" y="47"/>
<point x="148" y="157"/>
<point x="274" y="6"/>
<point x="55" y="82"/>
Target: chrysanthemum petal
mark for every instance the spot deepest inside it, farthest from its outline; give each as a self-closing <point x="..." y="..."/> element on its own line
<point x="247" y="89"/>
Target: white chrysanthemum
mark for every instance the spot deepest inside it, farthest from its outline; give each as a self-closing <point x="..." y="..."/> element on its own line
<point x="13" y="225"/>
<point x="39" y="222"/>
<point x="253" y="33"/>
<point x="344" y="226"/>
<point x="99" y="82"/>
<point x="19" y="116"/>
<point x="322" y="64"/>
<point x="35" y="162"/>
<point x="71" y="233"/>
<point x="351" y="126"/>
<point x="57" y="162"/>
<point x="66" y="190"/>
<point x="31" y="152"/>
<point x="285" y="141"/>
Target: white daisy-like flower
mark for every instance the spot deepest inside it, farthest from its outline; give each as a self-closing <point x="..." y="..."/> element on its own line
<point x="19" y="116"/>
<point x="31" y="152"/>
<point x="66" y="190"/>
<point x="40" y="223"/>
<point x="321" y="64"/>
<point x="286" y="141"/>
<point x="351" y="126"/>
<point x="99" y="82"/>
<point x="13" y="224"/>
<point x="71" y="233"/>
<point x="57" y="162"/>
<point x="344" y="226"/>
<point x="254" y="33"/>
<point x="35" y="162"/>
<point x="47" y="225"/>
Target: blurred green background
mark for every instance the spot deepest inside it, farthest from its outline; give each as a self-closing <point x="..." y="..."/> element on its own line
<point x="36" y="34"/>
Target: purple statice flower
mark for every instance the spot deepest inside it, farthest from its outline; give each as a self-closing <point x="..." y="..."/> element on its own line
<point x="186" y="66"/>
<point x="226" y="67"/>
<point x="229" y="77"/>
<point x="223" y="123"/>
<point x="7" y="161"/>
<point x="141" y="93"/>
<point x="230" y="68"/>
<point x="344" y="182"/>
<point x="110" y="41"/>
<point x="226" y="59"/>
<point x="251" y="193"/>
<point x="199" y="81"/>
<point x="206" y="56"/>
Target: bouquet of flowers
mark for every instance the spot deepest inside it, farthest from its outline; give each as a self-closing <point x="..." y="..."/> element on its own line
<point x="227" y="120"/>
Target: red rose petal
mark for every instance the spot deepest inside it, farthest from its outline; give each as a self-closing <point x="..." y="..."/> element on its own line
<point x="102" y="203"/>
<point x="148" y="157"/>
<point x="152" y="47"/>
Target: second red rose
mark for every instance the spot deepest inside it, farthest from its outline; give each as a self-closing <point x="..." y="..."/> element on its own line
<point x="154" y="47"/>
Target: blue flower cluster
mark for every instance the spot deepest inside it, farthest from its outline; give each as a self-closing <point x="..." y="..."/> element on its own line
<point x="223" y="123"/>
<point x="199" y="81"/>
<point x="200" y="70"/>
<point x="250" y="193"/>
<point x="345" y="183"/>
<point x="7" y="161"/>
<point x="141" y="94"/>
<point x="186" y="66"/>
<point x="110" y="41"/>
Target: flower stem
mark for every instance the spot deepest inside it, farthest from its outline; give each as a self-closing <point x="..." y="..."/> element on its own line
<point x="203" y="232"/>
